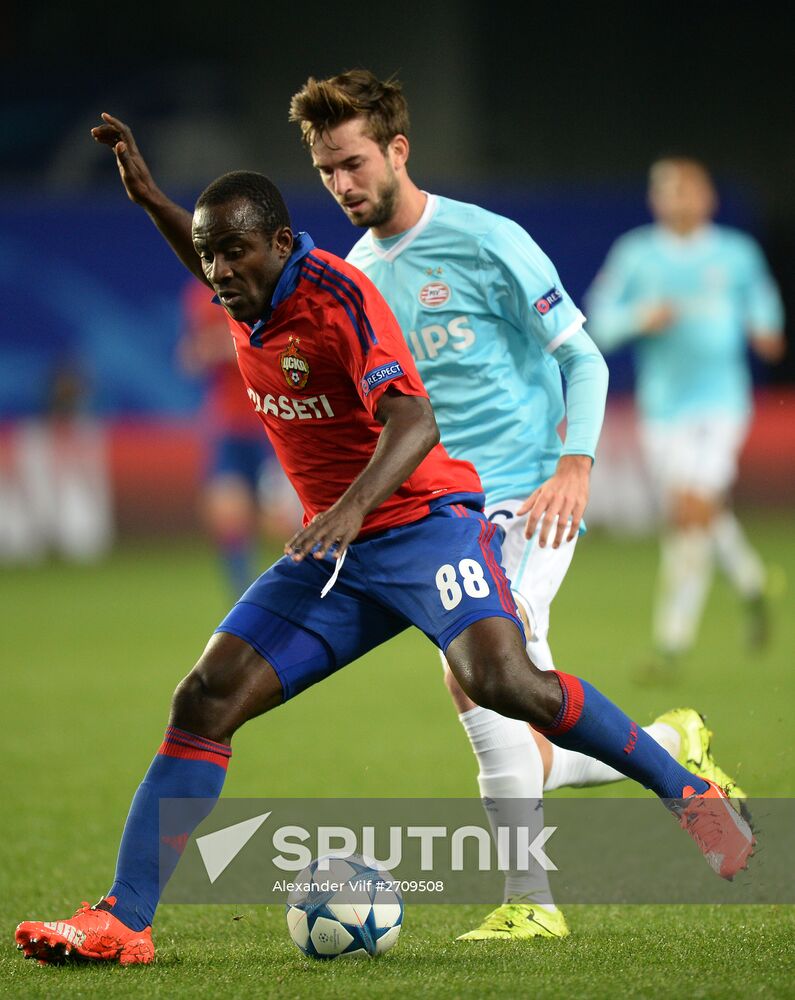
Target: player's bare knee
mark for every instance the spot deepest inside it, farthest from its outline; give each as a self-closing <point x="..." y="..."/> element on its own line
<point x="491" y="664"/>
<point x="507" y="682"/>
<point x="190" y="701"/>
<point x="490" y="684"/>
<point x="692" y="511"/>
<point x="230" y="684"/>
<point x="203" y="707"/>
<point x="185" y="705"/>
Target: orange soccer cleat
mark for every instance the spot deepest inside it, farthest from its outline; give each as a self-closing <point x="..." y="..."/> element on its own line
<point x="723" y="835"/>
<point x="92" y="933"/>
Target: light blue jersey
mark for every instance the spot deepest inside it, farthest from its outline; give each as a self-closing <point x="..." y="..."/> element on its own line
<point x="490" y="327"/>
<point x="718" y="283"/>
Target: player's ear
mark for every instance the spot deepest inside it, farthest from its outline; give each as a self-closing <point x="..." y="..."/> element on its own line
<point x="282" y="241"/>
<point x="398" y="151"/>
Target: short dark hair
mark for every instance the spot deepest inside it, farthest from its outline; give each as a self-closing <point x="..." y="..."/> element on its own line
<point x="679" y="160"/>
<point x="258" y="190"/>
<point x="321" y="105"/>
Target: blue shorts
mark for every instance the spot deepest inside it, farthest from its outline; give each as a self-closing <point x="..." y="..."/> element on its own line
<point x="239" y="455"/>
<point x="441" y="573"/>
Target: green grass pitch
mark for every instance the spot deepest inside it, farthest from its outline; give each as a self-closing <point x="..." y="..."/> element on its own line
<point x="91" y="655"/>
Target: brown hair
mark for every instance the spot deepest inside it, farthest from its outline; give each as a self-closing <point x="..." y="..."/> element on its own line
<point x="321" y="105"/>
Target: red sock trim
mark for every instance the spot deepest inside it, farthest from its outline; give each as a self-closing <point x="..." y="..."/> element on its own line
<point x="571" y="709"/>
<point x="199" y="741"/>
<point x="188" y="746"/>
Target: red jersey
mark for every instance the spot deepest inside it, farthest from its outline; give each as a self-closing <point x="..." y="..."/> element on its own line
<point x="316" y="367"/>
<point x="227" y="408"/>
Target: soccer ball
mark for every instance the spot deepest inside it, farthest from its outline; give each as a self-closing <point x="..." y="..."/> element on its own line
<point x="350" y="908"/>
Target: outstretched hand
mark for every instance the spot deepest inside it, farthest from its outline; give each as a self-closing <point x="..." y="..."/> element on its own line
<point x="173" y="221"/>
<point x="563" y="496"/>
<point x="330" y="532"/>
<point x="135" y="176"/>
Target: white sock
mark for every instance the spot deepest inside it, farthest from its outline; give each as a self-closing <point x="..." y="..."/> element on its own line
<point x="736" y="558"/>
<point x="511" y="783"/>
<point x="684" y="576"/>
<point x="570" y="769"/>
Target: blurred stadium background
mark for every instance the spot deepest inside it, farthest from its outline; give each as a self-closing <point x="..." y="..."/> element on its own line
<point x="550" y="116"/>
<point x="551" y="119"/>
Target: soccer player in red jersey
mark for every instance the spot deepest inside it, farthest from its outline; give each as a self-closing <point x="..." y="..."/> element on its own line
<point x="332" y="379"/>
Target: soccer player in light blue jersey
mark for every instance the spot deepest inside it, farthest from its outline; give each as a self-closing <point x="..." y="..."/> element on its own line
<point x="692" y="296"/>
<point x="491" y="328"/>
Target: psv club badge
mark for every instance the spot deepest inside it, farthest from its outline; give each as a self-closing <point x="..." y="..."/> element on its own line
<point x="294" y="365"/>
<point x="434" y="294"/>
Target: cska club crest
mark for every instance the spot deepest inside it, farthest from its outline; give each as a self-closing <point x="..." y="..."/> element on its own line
<point x="294" y="365"/>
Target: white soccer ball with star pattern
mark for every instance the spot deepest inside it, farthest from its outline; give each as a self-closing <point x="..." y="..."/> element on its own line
<point x="344" y="906"/>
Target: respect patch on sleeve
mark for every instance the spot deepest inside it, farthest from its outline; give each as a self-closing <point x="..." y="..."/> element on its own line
<point x="384" y="373"/>
<point x="548" y="301"/>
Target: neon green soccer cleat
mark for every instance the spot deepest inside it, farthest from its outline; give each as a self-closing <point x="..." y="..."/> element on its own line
<point x="519" y="921"/>
<point x="694" y="749"/>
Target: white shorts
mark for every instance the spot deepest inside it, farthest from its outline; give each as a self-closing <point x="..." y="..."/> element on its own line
<point x="698" y="455"/>
<point x="535" y="574"/>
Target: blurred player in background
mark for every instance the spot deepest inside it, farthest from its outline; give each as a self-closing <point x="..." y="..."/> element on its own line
<point x="57" y="496"/>
<point x="245" y="492"/>
<point x="692" y="296"/>
<point x="491" y="328"/>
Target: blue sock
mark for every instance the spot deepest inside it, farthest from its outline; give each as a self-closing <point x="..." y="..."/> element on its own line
<point x="591" y="724"/>
<point x="237" y="556"/>
<point x="186" y="766"/>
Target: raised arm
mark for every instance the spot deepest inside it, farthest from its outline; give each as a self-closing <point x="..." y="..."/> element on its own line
<point x="173" y="221"/>
<point x="409" y="433"/>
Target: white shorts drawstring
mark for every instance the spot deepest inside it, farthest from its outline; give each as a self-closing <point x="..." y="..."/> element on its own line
<point x="333" y="579"/>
